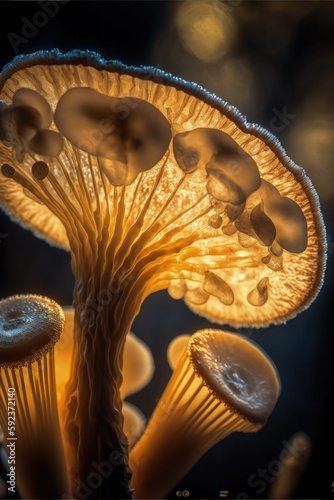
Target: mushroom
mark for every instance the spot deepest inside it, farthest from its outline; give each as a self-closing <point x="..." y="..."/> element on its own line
<point x="134" y="422"/>
<point x="138" y="365"/>
<point x="293" y="460"/>
<point x="176" y="348"/>
<point x="223" y="383"/>
<point x="30" y="326"/>
<point x="158" y="184"/>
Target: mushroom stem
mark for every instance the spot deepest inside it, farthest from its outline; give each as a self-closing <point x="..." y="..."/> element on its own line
<point x="94" y="435"/>
<point x="107" y="297"/>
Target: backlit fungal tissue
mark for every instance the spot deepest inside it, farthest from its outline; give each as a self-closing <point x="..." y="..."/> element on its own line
<point x="150" y="183"/>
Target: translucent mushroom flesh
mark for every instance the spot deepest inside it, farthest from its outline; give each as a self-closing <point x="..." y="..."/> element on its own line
<point x="151" y="183"/>
<point x="215" y="165"/>
<point x="30" y="326"/>
<point x="222" y="383"/>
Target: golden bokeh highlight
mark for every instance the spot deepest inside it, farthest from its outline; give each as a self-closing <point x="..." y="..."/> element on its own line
<point x="310" y="140"/>
<point x="206" y="29"/>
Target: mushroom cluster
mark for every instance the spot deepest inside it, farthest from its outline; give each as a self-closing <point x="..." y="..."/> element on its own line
<point x="151" y="183"/>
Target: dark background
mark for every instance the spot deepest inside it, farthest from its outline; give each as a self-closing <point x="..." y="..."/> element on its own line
<point x="279" y="55"/>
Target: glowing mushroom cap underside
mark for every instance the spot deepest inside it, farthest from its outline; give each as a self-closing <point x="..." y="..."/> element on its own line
<point x="237" y="372"/>
<point x="232" y="223"/>
<point x="30" y="326"/>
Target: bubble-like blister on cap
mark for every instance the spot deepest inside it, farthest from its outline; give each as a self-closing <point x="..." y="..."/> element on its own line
<point x="259" y="295"/>
<point x="216" y="286"/>
<point x="130" y="135"/>
<point x="7" y="171"/>
<point x="40" y="170"/>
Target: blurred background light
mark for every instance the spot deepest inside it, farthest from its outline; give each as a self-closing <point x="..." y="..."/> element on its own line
<point x="206" y="29"/>
<point x="310" y="143"/>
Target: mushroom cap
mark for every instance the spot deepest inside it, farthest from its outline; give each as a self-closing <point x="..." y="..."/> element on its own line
<point x="243" y="222"/>
<point x="30" y="326"/>
<point x="176" y="348"/>
<point x="236" y="371"/>
<point x="138" y="365"/>
<point x="134" y="422"/>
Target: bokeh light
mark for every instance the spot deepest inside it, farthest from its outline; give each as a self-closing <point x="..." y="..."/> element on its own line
<point x="206" y="29"/>
<point x="310" y="142"/>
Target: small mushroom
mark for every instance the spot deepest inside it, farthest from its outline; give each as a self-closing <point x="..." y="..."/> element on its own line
<point x="176" y="348"/>
<point x="134" y="422"/>
<point x="293" y="461"/>
<point x="30" y="326"/>
<point x="138" y="365"/>
<point x="223" y="383"/>
<point x="147" y="163"/>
